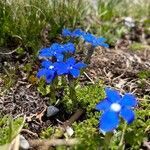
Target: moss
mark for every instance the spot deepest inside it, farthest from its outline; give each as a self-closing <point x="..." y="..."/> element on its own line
<point x="46" y="133"/>
<point x="88" y="134"/>
<point x="87" y="97"/>
<point x="137" y="47"/>
<point x="145" y="74"/>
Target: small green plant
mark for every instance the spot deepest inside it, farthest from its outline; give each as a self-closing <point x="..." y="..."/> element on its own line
<point x="145" y="74"/>
<point x="46" y="133"/>
<point x="138" y="47"/>
<point x="9" y="129"/>
<point x="88" y="134"/>
<point x="84" y="100"/>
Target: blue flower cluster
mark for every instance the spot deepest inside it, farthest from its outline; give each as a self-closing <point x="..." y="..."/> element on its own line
<point x="56" y="65"/>
<point x="113" y="106"/>
<point x="86" y="36"/>
<point x="57" y="51"/>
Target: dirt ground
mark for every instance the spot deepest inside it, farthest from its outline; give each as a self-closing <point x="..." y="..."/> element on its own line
<point x="119" y="68"/>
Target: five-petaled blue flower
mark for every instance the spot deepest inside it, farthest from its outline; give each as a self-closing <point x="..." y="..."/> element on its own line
<point x="48" y="71"/>
<point x="95" y="41"/>
<point x="57" y="50"/>
<point x="86" y="36"/>
<point x="73" y="67"/>
<point x="70" y="67"/>
<point x="113" y="106"/>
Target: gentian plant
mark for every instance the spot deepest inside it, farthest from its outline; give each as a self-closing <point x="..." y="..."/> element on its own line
<point x="58" y="59"/>
<point x="115" y="106"/>
<point x="87" y="38"/>
<point x="59" y="65"/>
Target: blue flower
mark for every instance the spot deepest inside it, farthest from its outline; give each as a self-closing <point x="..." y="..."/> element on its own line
<point x="69" y="47"/>
<point x="113" y="106"/>
<point x="48" y="71"/>
<point x="86" y="36"/>
<point x="95" y="41"/>
<point x="77" y="33"/>
<point x="55" y="50"/>
<point x="45" y="52"/>
<point x="66" y="32"/>
<point x="70" y="67"/>
<point x="100" y="42"/>
<point x="73" y="67"/>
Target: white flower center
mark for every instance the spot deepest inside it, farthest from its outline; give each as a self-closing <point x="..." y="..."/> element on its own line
<point x="115" y="107"/>
<point x="71" y="67"/>
<point x="51" y="67"/>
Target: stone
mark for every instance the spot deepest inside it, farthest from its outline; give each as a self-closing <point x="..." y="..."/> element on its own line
<point x="24" y="144"/>
<point x="51" y="111"/>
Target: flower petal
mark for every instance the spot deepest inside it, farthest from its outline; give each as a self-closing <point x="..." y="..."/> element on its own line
<point x="50" y="77"/>
<point x="45" y="52"/>
<point x="109" y="121"/>
<point x="77" y="33"/>
<point x="101" y="40"/>
<point x="113" y="95"/>
<point x="46" y="63"/>
<point x="127" y="114"/>
<point x="103" y="105"/>
<point x="70" y="61"/>
<point x="47" y="73"/>
<point x="104" y="45"/>
<point x="59" y="57"/>
<point x="66" y="32"/>
<point x="41" y="72"/>
<point x="79" y="65"/>
<point x="88" y="38"/>
<point x="75" y="72"/>
<point x="69" y="47"/>
<point x="128" y="100"/>
<point x="61" y="68"/>
<point x="57" y="48"/>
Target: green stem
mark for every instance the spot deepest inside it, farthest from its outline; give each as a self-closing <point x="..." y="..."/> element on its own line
<point x="53" y="91"/>
<point x="72" y="90"/>
<point x="121" y="144"/>
<point x="107" y="140"/>
<point x="63" y="81"/>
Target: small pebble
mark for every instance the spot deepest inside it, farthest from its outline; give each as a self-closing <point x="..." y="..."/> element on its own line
<point x="51" y="111"/>
<point x="24" y="144"/>
<point x="69" y="131"/>
<point x="129" y="22"/>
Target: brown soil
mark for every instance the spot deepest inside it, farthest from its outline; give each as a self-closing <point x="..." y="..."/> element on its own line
<point x="119" y="68"/>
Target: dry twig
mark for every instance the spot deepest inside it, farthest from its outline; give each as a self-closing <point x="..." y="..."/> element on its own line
<point x="53" y="142"/>
<point x="30" y="132"/>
